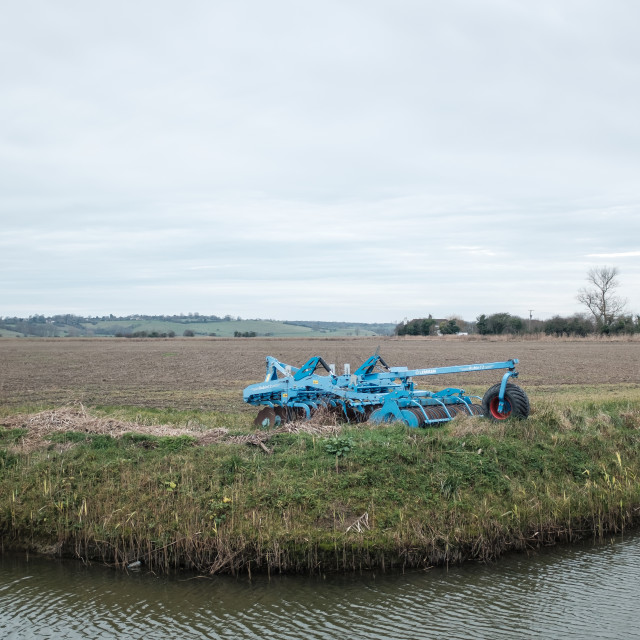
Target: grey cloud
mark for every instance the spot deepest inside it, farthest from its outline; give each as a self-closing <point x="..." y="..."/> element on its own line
<point x="345" y="158"/>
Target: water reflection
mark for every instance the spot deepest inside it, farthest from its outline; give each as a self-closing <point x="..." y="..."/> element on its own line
<point x="576" y="592"/>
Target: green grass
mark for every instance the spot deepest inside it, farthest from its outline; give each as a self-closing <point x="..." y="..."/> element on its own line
<point x="11" y="436"/>
<point x="187" y="418"/>
<point x="473" y="489"/>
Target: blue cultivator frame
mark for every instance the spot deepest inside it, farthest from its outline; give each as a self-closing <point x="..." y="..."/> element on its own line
<point x="378" y="393"/>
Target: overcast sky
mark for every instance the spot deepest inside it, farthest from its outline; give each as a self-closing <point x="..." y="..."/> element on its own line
<point x="356" y="160"/>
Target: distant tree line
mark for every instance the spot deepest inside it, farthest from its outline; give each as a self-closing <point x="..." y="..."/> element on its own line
<point x="190" y="318"/>
<point x="429" y="326"/>
<point x="577" y="325"/>
<point x="608" y="316"/>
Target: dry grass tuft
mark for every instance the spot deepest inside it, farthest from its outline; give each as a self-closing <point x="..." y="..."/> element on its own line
<point x="41" y="425"/>
<point x="322" y="423"/>
<point x="631" y="418"/>
<point x="463" y="425"/>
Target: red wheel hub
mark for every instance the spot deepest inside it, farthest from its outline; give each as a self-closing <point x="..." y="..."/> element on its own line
<point x="506" y="408"/>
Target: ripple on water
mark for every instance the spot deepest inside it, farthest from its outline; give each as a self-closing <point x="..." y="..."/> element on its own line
<point x="575" y="592"/>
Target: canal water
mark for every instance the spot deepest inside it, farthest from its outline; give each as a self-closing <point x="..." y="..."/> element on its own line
<point x="576" y="592"/>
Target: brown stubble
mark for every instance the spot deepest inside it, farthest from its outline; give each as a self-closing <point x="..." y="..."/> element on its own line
<point x="209" y="374"/>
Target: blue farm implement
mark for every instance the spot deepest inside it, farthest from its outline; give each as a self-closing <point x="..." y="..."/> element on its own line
<point x="378" y="393"/>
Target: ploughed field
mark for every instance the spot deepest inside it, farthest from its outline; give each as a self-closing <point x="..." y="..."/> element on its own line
<point x="209" y="374"/>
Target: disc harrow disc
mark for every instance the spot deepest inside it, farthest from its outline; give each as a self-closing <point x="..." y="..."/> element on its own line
<point x="360" y="414"/>
<point x="377" y="416"/>
<point x="266" y="418"/>
<point x="419" y="415"/>
<point x="410" y="418"/>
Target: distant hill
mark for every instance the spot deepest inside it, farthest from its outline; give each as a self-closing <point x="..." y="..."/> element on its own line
<point x="68" y="325"/>
<point x="375" y="329"/>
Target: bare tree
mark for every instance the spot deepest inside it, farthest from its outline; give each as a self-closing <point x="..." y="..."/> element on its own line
<point x="600" y="298"/>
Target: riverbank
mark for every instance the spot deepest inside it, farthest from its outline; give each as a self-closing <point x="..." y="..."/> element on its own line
<point x="319" y="498"/>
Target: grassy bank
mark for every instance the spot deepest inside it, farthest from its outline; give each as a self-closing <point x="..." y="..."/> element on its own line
<point x="353" y="497"/>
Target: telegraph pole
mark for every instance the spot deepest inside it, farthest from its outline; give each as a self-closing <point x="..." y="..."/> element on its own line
<point x="530" y="316"/>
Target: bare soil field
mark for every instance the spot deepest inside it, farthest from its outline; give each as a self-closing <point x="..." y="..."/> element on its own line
<point x="210" y="374"/>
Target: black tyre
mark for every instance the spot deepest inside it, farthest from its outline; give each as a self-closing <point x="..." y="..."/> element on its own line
<point x="516" y="403"/>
